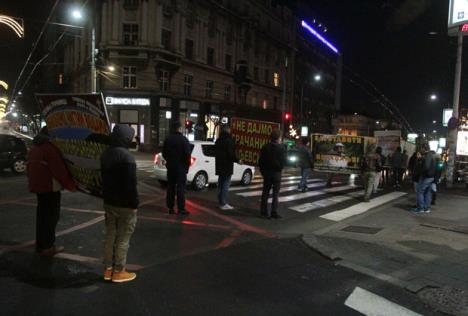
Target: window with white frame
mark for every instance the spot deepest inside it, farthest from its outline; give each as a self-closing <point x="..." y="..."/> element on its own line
<point x="129" y="77"/>
<point x="164" y="80"/>
<point x="130" y="34"/>
<point x="188" y="81"/>
<point x="209" y="89"/>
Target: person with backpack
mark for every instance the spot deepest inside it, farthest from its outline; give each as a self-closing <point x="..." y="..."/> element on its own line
<point x="427" y="172"/>
<point x="371" y="164"/>
<point x="305" y="163"/>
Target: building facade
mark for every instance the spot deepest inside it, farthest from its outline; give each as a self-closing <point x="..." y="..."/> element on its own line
<point x="197" y="61"/>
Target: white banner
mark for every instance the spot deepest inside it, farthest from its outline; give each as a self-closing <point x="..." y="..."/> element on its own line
<point x="458" y="12"/>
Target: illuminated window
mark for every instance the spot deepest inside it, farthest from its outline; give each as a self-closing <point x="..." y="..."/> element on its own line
<point x="60" y="79"/>
<point x="276" y="79"/>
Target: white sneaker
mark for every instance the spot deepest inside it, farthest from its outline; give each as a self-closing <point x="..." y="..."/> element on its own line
<point x="226" y="207"/>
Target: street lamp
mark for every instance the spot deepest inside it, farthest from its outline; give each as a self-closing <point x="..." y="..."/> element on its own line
<point x="77" y="14"/>
<point x="111" y="68"/>
<point x="433" y="97"/>
<point x="317" y="77"/>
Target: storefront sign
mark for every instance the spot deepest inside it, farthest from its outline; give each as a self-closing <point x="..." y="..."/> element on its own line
<point x="458" y="12"/>
<point x="250" y="136"/>
<point x="128" y="101"/>
<point x="304" y="131"/>
<point x="447" y="115"/>
<point x="462" y="143"/>
<point x="339" y="154"/>
<point x="79" y="127"/>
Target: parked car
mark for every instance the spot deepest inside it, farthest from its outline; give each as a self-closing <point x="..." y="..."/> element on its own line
<point x="13" y="153"/>
<point x="202" y="167"/>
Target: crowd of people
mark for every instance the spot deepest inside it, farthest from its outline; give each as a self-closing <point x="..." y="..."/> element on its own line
<point x="48" y="175"/>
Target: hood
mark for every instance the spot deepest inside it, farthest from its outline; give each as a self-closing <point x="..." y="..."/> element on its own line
<point x="122" y="135"/>
<point x="40" y="139"/>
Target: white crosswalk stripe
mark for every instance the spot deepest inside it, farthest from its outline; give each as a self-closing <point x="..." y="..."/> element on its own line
<point x="260" y="179"/>
<point x="259" y="186"/>
<point x="145" y="165"/>
<point x="305" y="195"/>
<point x="283" y="189"/>
<point x="307" y="207"/>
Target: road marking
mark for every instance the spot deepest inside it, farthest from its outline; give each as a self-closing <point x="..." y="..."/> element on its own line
<point x="226" y="242"/>
<point x="306" y="207"/>
<point x="370" y="304"/>
<point x="284" y="189"/>
<point x="260" y="179"/>
<point x="235" y="222"/>
<point x="362" y="207"/>
<point x="300" y="196"/>
<point x="258" y="186"/>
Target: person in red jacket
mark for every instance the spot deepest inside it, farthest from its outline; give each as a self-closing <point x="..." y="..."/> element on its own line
<point x="47" y="176"/>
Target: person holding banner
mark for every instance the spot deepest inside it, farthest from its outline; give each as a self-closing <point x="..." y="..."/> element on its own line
<point x="119" y="186"/>
<point x="370" y="167"/>
<point x="47" y="176"/>
<point x="272" y="161"/>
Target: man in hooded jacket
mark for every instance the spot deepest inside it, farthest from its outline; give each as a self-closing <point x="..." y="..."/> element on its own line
<point x="119" y="185"/>
<point x="47" y="176"/>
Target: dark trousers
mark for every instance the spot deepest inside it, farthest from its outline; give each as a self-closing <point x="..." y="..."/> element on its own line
<point x="398" y="175"/>
<point x="176" y="182"/>
<point x="270" y="181"/>
<point x="224" y="181"/>
<point x="47" y="217"/>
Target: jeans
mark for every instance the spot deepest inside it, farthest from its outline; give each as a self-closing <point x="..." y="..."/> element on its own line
<point x="424" y="193"/>
<point x="223" y="189"/>
<point x="305" y="173"/>
<point x="120" y="225"/>
<point x="369" y="180"/>
<point x="271" y="180"/>
<point x="47" y="217"/>
<point x="176" y="182"/>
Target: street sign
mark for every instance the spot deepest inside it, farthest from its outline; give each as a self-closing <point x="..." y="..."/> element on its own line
<point x="458" y="13"/>
<point x="447" y="114"/>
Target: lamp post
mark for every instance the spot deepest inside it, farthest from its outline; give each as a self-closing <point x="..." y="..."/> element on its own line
<point x="77" y="14"/>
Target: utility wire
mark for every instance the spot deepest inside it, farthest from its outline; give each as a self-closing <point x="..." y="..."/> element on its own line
<point x="33" y="49"/>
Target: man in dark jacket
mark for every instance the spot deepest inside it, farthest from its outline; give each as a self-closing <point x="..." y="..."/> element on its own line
<point x="427" y="172"/>
<point x="271" y="163"/>
<point x="305" y="163"/>
<point x="47" y="175"/>
<point x="397" y="162"/>
<point x="225" y="154"/>
<point x="119" y="186"/>
<point x="177" y="153"/>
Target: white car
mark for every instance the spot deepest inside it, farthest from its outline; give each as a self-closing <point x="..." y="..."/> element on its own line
<point x="202" y="167"/>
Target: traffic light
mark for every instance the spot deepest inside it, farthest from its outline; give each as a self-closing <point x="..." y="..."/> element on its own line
<point x="287" y="116"/>
<point x="189" y="126"/>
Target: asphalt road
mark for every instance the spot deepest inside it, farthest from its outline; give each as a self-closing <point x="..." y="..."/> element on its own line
<point x="210" y="263"/>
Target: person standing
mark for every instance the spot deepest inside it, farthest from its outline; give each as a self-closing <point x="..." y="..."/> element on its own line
<point x="372" y="163"/>
<point x="47" y="176"/>
<point x="305" y="163"/>
<point x="379" y="170"/>
<point x="404" y="165"/>
<point x="177" y="153"/>
<point x="271" y="163"/>
<point x="396" y="162"/>
<point x="413" y="167"/>
<point x="119" y="187"/>
<point x="225" y="157"/>
<point x="427" y="175"/>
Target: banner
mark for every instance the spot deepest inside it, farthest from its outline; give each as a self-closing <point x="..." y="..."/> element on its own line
<point x="250" y="136"/>
<point x="339" y="154"/>
<point x="79" y="126"/>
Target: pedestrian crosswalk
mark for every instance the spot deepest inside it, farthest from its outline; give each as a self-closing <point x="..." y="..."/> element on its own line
<point x="145" y="165"/>
<point x="341" y="195"/>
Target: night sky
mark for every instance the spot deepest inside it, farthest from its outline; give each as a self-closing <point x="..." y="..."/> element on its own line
<point x="387" y="42"/>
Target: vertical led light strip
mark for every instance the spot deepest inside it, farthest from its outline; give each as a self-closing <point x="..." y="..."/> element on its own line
<point x="319" y="37"/>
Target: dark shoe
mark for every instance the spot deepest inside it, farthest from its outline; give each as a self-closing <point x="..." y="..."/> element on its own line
<point x="265" y="215"/>
<point x="276" y="216"/>
<point x="184" y="212"/>
<point x="171" y="211"/>
<point x="52" y="251"/>
<point x="433" y="203"/>
<point x="304" y="190"/>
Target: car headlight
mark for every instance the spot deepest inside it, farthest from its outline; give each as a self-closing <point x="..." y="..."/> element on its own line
<point x="293" y="158"/>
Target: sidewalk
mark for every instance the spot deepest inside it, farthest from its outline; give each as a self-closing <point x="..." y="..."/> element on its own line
<point x="426" y="254"/>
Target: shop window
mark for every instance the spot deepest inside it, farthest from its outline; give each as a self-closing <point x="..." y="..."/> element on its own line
<point x="189" y="49"/>
<point x="210" y="56"/>
<point x="228" y="62"/>
<point x="166" y="39"/>
<point x="209" y="89"/>
<point x="276" y="79"/>
<point x="188" y="81"/>
<point x="164" y="80"/>
<point x="227" y="92"/>
<point x="129" y="77"/>
<point x="130" y="34"/>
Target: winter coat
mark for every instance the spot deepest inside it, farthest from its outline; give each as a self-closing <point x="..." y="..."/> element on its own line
<point x="118" y="170"/>
<point x="396" y="160"/>
<point x="305" y="157"/>
<point x="429" y="166"/>
<point x="46" y="168"/>
<point x="272" y="158"/>
<point x="225" y="154"/>
<point x="177" y="152"/>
